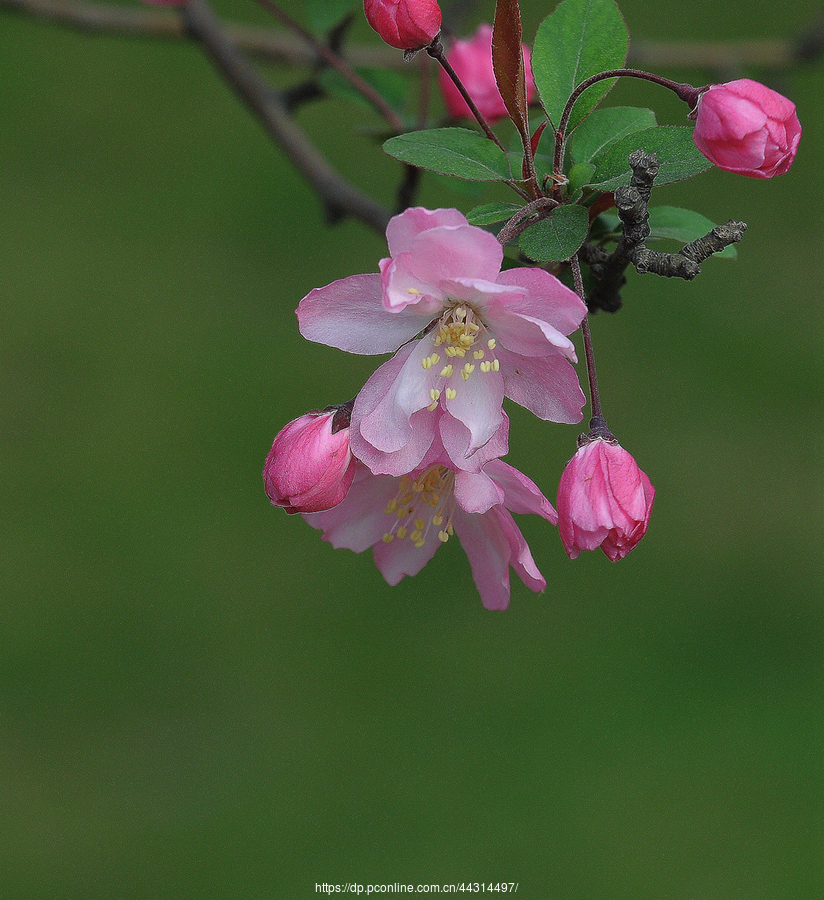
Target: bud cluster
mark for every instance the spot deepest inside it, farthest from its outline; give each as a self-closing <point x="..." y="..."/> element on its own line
<point x="417" y="456"/>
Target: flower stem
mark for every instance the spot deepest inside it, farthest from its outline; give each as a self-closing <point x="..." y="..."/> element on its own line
<point x="435" y="50"/>
<point x="683" y="91"/>
<point x="594" y="396"/>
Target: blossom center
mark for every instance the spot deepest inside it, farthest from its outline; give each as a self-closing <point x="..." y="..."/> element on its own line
<point x="463" y="336"/>
<point x="423" y="503"/>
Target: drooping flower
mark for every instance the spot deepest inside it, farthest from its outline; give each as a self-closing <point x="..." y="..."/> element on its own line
<point x="405" y="24"/>
<point x="747" y="128"/>
<point x="604" y="500"/>
<point x="472" y="61"/>
<point x="310" y="466"/>
<point x="405" y="519"/>
<point x="468" y="334"/>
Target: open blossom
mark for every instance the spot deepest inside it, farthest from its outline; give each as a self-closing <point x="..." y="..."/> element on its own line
<point x="405" y="519"/>
<point x="405" y="24"/>
<point x="310" y="466"/>
<point x="747" y="128"/>
<point x="472" y="62"/>
<point x="604" y="500"/>
<point x="468" y="334"/>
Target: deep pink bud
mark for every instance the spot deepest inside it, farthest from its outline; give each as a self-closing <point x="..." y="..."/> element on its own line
<point x="604" y="500"/>
<point x="747" y="128"/>
<point x="472" y="62"/>
<point x="405" y="24"/>
<point x="310" y="467"/>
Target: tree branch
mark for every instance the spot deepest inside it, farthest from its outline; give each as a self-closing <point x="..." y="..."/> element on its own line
<point x="631" y="201"/>
<point x="277" y="47"/>
<point x="338" y="195"/>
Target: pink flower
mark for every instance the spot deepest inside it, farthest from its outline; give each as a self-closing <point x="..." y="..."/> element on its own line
<point x="405" y="24"/>
<point x="406" y="519"/>
<point x="310" y="467"/>
<point x="745" y="127"/>
<point x="469" y="335"/>
<point x="604" y="500"/>
<point x="472" y="62"/>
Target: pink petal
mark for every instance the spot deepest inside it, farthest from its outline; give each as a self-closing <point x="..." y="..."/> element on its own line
<point x="456" y="440"/>
<point x="477" y="404"/>
<point x="404" y="228"/>
<point x="349" y="314"/>
<point x="521" y="494"/>
<point x="547" y="387"/>
<point x="477" y="493"/>
<point x="359" y="520"/>
<point x="493" y="542"/>
<point x="401" y="557"/>
<point x="396" y="390"/>
<point x="545" y="298"/>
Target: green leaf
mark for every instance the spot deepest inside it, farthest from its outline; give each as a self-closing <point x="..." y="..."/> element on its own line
<point x="580" y="39"/>
<point x="604" y="127"/>
<point x="674" y="146"/>
<point x="556" y="237"/>
<point x="667" y="223"/>
<point x="451" y="151"/>
<point x="682" y="225"/>
<point x="490" y="213"/>
<point x="325" y="14"/>
<point x="579" y="175"/>
<point x="392" y="86"/>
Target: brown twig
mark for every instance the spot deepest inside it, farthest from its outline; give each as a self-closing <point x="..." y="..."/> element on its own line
<point x="338" y="195"/>
<point x="338" y="64"/>
<point x="277" y="47"/>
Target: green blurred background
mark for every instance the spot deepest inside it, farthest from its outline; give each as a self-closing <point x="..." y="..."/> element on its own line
<point x="199" y="698"/>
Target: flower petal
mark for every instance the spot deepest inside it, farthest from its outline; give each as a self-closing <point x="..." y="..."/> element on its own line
<point x="359" y="520"/>
<point x="545" y="298"/>
<point x="521" y="494"/>
<point x="349" y="314"/>
<point x="547" y="386"/>
<point x="405" y="227"/>
<point x="493" y="543"/>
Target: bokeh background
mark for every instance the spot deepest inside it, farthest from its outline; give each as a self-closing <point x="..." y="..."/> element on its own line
<point x="199" y="698"/>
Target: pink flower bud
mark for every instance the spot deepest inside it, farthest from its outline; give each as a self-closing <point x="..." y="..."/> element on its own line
<point x="472" y="62"/>
<point x="310" y="467"/>
<point x="405" y="24"/>
<point x="745" y="127"/>
<point x="604" y="500"/>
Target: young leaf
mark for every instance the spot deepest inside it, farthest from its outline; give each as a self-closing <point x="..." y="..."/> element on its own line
<point x="451" y="151"/>
<point x="579" y="175"/>
<point x="674" y="146"/>
<point x="682" y="225"/>
<point x="581" y="38"/>
<point x="490" y="213"/>
<point x="667" y="222"/>
<point x="604" y="127"/>
<point x="508" y="64"/>
<point x="556" y="237"/>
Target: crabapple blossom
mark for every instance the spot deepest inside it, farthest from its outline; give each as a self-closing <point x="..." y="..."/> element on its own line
<point x="469" y="334"/>
<point x="747" y="128"/>
<point x="310" y="466"/>
<point x="405" y="24"/>
<point x="604" y="500"/>
<point x="472" y="62"/>
<point x="405" y="519"/>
